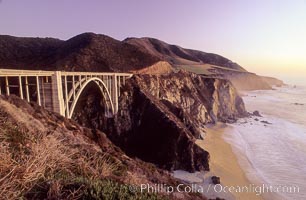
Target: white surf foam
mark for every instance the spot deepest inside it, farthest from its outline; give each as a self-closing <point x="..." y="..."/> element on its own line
<point x="275" y="154"/>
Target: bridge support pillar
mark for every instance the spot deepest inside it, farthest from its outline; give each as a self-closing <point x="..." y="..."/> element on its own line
<point x="114" y="92"/>
<point x="38" y="90"/>
<point x="27" y="89"/>
<point x="7" y="86"/>
<point x="57" y="94"/>
<point x="20" y="87"/>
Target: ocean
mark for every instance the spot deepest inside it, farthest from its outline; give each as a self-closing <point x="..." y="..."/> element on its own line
<point x="272" y="148"/>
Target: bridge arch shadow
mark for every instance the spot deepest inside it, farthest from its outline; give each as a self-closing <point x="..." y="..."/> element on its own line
<point x="92" y="95"/>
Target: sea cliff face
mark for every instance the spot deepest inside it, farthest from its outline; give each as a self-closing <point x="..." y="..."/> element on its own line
<point x="161" y="116"/>
<point x="247" y="81"/>
<point x="205" y="100"/>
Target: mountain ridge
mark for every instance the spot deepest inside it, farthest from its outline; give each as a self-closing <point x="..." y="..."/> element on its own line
<point x="84" y="52"/>
<point x="98" y="50"/>
<point x="102" y="53"/>
<point x="177" y="55"/>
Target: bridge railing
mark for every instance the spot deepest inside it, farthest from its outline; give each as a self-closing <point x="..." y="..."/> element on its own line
<point x="16" y="72"/>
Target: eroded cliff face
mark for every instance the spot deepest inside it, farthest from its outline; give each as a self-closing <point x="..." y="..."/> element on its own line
<point x="227" y="104"/>
<point x="204" y="100"/>
<point x="247" y="81"/>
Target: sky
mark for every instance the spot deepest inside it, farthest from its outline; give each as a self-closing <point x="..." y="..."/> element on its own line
<point x="267" y="37"/>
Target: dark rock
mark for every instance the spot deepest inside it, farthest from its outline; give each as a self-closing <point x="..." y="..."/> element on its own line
<point x="230" y="121"/>
<point x="256" y="119"/>
<point x="217" y="199"/>
<point x="215" y="180"/>
<point x="256" y="113"/>
<point x="265" y="122"/>
<point x="298" y="104"/>
<point x="147" y="129"/>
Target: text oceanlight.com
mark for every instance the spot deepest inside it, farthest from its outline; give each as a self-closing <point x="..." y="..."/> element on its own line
<point x="195" y="188"/>
<point x="257" y="189"/>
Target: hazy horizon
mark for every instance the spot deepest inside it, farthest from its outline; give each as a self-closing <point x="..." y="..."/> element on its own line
<point x="264" y="37"/>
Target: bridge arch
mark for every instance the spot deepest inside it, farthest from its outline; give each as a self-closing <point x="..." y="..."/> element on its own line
<point x="104" y="92"/>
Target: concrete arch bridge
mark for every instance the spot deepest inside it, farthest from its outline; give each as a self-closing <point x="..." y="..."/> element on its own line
<point x="60" y="91"/>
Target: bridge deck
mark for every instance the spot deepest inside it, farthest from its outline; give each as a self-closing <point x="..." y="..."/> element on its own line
<point x="16" y="72"/>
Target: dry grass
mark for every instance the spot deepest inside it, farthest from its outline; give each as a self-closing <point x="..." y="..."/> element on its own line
<point x="28" y="159"/>
<point x="43" y="160"/>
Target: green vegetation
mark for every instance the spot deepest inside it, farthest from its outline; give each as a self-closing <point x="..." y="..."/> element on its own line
<point x="82" y="188"/>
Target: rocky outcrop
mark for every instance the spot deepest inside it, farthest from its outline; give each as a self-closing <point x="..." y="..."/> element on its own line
<point x="215" y="180"/>
<point x="146" y="128"/>
<point x="203" y="100"/>
<point x="160" y="117"/>
<point x="256" y="113"/>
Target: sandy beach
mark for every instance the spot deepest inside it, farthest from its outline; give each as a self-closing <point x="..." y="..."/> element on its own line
<point x="224" y="163"/>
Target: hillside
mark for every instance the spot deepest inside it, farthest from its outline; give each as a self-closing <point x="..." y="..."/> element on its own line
<point x="46" y="156"/>
<point x="84" y="52"/>
<point x="177" y="55"/>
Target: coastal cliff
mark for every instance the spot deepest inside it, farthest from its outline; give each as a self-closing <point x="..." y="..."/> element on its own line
<point x="161" y="116"/>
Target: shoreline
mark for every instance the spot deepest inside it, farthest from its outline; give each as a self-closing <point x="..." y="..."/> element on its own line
<point x="224" y="163"/>
<point x="264" y="152"/>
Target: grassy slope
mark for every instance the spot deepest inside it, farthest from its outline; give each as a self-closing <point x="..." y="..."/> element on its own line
<point x="205" y="69"/>
<point x="45" y="156"/>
